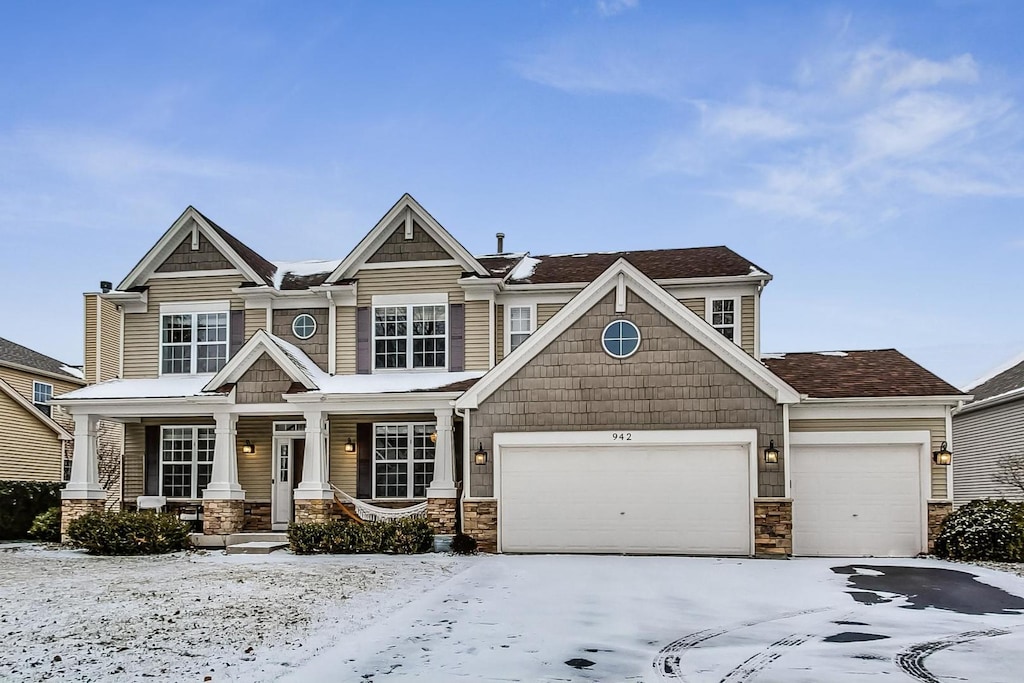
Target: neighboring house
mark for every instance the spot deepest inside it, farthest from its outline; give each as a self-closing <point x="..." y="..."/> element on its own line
<point x="987" y="430"/>
<point x="35" y="437"/>
<point x="600" y="402"/>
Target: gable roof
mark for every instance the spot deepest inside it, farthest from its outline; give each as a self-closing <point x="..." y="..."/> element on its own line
<point x="35" y="412"/>
<point x="382" y="230"/>
<point x="881" y="373"/>
<point x="296" y="364"/>
<point x="1005" y="379"/>
<point x="619" y="276"/>
<point x="16" y="355"/>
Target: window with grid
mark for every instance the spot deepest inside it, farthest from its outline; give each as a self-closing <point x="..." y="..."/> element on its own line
<point x="403" y="460"/>
<point x="193" y="343"/>
<point x="520" y="325"/>
<point x="410" y="337"/>
<point x="66" y="470"/>
<point x="723" y="317"/>
<point x="41" y="395"/>
<point x="186" y="460"/>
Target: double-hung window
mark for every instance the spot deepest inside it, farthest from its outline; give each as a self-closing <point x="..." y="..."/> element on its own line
<point x="186" y="460"/>
<point x="41" y="395"/>
<point x="403" y="459"/>
<point x="193" y="341"/>
<point x="723" y="318"/>
<point x="520" y="325"/>
<point x="413" y="336"/>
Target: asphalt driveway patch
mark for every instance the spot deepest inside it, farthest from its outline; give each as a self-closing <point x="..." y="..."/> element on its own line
<point x="854" y="637"/>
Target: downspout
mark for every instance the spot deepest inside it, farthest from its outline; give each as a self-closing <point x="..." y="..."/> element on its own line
<point x="332" y="334"/>
<point x="465" y="463"/>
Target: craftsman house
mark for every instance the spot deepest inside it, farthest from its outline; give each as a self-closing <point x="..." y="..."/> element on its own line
<point x="604" y="402"/>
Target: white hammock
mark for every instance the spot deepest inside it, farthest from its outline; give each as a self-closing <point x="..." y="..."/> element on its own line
<point x="372" y="513"/>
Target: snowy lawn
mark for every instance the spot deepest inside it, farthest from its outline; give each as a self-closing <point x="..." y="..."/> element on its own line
<point x="566" y="618"/>
<point x="66" y="616"/>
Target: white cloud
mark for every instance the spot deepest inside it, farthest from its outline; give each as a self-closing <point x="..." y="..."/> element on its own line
<point x="893" y="71"/>
<point x="609" y="8"/>
<point x="751" y="122"/>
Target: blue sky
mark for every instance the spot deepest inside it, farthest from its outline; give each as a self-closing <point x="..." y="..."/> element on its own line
<point x="869" y="154"/>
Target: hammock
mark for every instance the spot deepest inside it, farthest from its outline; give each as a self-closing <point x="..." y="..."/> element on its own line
<point x="372" y="513"/>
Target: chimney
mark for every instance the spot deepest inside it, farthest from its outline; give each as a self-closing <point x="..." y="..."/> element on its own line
<point x="501" y="242"/>
<point x="105" y="286"/>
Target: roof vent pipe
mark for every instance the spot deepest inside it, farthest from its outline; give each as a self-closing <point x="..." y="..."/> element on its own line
<point x="105" y="286"/>
<point x="501" y="242"/>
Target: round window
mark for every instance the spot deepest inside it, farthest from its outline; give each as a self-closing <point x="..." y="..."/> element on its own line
<point x="621" y="339"/>
<point x="304" y="326"/>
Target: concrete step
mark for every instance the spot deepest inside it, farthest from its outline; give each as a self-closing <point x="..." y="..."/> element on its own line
<point x="253" y="536"/>
<point x="255" y="547"/>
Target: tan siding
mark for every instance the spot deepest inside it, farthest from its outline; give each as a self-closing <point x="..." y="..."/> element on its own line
<point x="435" y="279"/>
<point x="29" y="450"/>
<point x="90" y="337"/>
<point x="937" y="427"/>
<point x="981" y="439"/>
<point x="254" y="471"/>
<point x="747" y="330"/>
<point x="134" y="461"/>
<point x="345" y="340"/>
<point x="110" y="341"/>
<point x="316" y="347"/>
<point x="478" y="329"/>
<point x="343" y="427"/>
<point x="255" y="319"/>
<point x="21" y="381"/>
<point x="695" y="305"/>
<point x="545" y="311"/>
<point x="142" y="330"/>
<point x="499" y="333"/>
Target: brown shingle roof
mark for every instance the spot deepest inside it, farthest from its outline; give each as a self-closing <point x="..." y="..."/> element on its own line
<point x="849" y="374"/>
<point x="462" y="385"/>
<point x="1006" y="381"/>
<point x="262" y="266"/>
<point x="17" y="354"/>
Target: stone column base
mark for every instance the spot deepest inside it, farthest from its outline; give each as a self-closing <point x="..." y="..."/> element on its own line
<point x="938" y="510"/>
<point x="441" y="514"/>
<point x="73" y="508"/>
<point x="480" y="520"/>
<point x="313" y="510"/>
<point x="773" y="527"/>
<point x="223" y="516"/>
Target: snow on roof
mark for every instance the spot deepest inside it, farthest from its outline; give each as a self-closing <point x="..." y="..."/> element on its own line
<point x="299" y="357"/>
<point x="775" y="356"/>
<point x="524" y="268"/>
<point x="170" y="386"/>
<point x="74" y="372"/>
<point x="839" y="354"/>
<point x="303" y="268"/>
<point x="393" y="382"/>
<point x="504" y="254"/>
<point x="998" y="370"/>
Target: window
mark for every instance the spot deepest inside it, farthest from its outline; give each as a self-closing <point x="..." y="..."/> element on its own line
<point x="304" y="326"/>
<point x="66" y="470"/>
<point x="186" y="460"/>
<point x="403" y="460"/>
<point x="621" y="339"/>
<point x="723" y="317"/>
<point x="41" y="395"/>
<point x="520" y="325"/>
<point x="419" y="345"/>
<point x="193" y="342"/>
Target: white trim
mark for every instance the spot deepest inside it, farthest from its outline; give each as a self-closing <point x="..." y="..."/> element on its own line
<point x="410" y="460"/>
<point x="120" y="344"/>
<point x="839" y="411"/>
<point x="886" y="400"/>
<point x="194" y="273"/>
<point x="130" y="302"/>
<point x="270" y="319"/>
<point x="787" y="483"/>
<point x="332" y="334"/>
<point x="308" y="336"/>
<point x="99" y="337"/>
<point x="37" y="383"/>
<point x="250" y="352"/>
<point x="507" y="315"/>
<point x="222" y="306"/>
<point x="389" y="265"/>
<point x="620" y="295"/>
<point x="757" y="324"/>
<point x="403" y="301"/>
<point x="639" y="338"/>
<point x="409" y="299"/>
<point x="737" y="314"/>
<point x="492" y="352"/>
<point x="62" y="433"/>
<point x="408" y="224"/>
<point x="189" y="309"/>
<point x="197" y="494"/>
<point x="949" y="447"/>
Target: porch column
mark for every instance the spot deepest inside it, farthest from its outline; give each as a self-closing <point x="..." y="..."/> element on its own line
<point x="442" y="495"/>
<point x="223" y="498"/>
<point x="314" y="499"/>
<point x="83" y="493"/>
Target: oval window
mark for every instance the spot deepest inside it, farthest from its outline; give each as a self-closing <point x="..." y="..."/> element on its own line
<point x="304" y="326"/>
<point x="621" y="339"/>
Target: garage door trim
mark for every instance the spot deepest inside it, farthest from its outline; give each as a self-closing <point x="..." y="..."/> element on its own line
<point x="746" y="438"/>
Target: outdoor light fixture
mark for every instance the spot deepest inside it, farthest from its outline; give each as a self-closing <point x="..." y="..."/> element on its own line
<point x="248" y="448"/>
<point x="942" y="456"/>
<point x="433" y="437"/>
<point x="349" y="446"/>
<point x="771" y="454"/>
<point x="480" y="457"/>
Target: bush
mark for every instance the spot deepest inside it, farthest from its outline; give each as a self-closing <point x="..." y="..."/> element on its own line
<point x="129" y="533"/>
<point x="403" y="536"/>
<point x="463" y="544"/>
<point x="21" y="502"/>
<point x="983" y="530"/>
<point x="46" y="526"/>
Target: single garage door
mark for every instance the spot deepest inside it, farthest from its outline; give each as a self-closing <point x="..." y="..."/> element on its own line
<point x="857" y="500"/>
<point x="626" y="499"/>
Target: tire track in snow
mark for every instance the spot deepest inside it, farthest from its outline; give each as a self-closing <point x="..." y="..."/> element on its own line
<point x="754" y="664"/>
<point x="911" y="660"/>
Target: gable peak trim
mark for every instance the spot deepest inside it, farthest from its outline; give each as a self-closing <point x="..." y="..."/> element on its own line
<point x="259" y="343"/>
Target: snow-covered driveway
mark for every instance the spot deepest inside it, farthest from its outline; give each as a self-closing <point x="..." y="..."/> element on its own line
<point x="565" y="618"/>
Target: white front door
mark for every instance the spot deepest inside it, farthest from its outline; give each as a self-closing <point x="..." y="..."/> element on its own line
<point x="282" y="484"/>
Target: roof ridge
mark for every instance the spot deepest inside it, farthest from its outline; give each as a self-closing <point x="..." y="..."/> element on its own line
<point x="263" y="267"/>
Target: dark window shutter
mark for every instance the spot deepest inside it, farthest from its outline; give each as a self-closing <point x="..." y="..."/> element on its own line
<point x="236" y="330"/>
<point x="364" y="460"/>
<point x="363" y="329"/>
<point x="457" y="336"/>
<point x="151" y="467"/>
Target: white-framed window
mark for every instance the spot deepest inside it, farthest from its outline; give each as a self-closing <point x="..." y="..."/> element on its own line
<point x="186" y="460"/>
<point x="620" y="339"/>
<point x="521" y="322"/>
<point x="304" y="326"/>
<point x="193" y="341"/>
<point x="723" y="314"/>
<point x="403" y="459"/>
<point x="41" y="395"/>
<point x="66" y="469"/>
<point x="412" y="336"/>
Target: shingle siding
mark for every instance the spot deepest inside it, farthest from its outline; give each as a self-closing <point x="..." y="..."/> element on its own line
<point x="316" y="347"/>
<point x="184" y="259"/>
<point x="980" y="440"/>
<point x="263" y="382"/>
<point x="422" y="247"/>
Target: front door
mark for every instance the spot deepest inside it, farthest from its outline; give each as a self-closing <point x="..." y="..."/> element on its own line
<point x="288" y="454"/>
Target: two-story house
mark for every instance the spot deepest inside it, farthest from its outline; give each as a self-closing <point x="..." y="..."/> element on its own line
<point x="592" y="402"/>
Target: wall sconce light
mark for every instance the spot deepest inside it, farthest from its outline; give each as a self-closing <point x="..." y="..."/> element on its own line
<point x="942" y="456"/>
<point x="248" y="448"/>
<point x="480" y="457"/>
<point x="433" y="437"/>
<point x="771" y="454"/>
<point x="349" y="446"/>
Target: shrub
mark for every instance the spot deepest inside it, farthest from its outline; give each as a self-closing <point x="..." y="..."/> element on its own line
<point x="463" y="544"/>
<point x="21" y="502"/>
<point x="341" y="536"/>
<point x="129" y="533"/>
<point x="983" y="530"/>
<point x="46" y="526"/>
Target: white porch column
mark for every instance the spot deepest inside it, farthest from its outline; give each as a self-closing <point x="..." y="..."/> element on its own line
<point x="85" y="471"/>
<point x="443" y="484"/>
<point x="224" y="478"/>
<point x="315" y="484"/>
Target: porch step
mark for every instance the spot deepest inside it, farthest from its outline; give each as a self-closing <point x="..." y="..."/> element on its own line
<point x="255" y="547"/>
<point x="257" y="536"/>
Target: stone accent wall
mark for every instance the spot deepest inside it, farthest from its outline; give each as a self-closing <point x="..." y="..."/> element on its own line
<point x="263" y="382"/>
<point x="223" y="516"/>
<point x="257" y="517"/>
<point x="937" y="512"/>
<point x="773" y="527"/>
<point x="441" y="514"/>
<point x="314" y="511"/>
<point x="184" y="259"/>
<point x="315" y="347"/>
<point x="72" y="508"/>
<point x="421" y="247"/>
<point x="480" y="520"/>
<point x="671" y="382"/>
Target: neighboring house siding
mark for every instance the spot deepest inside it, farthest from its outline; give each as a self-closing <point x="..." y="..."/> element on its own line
<point x="184" y="259"/>
<point x="263" y="382"/>
<point x="21" y="381"/>
<point x="142" y="330"/>
<point x="422" y="247"/>
<point x="29" y="450"/>
<point x="936" y="426"/>
<point x="980" y="440"/>
<point x="671" y="382"/>
<point x="747" y="324"/>
<point x="478" y="347"/>
<point x="316" y="347"/>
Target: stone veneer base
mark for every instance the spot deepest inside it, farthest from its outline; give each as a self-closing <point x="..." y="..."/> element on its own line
<point x="223" y="516"/>
<point x="73" y="508"/>
<point x="441" y="514"/>
<point x="480" y="520"/>
<point x="773" y="527"/>
<point x="938" y="510"/>
<point x="314" y="510"/>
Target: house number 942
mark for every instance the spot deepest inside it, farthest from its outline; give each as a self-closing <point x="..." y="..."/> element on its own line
<point x="622" y="436"/>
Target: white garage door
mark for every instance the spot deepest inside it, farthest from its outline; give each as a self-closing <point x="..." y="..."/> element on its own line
<point x="857" y="500"/>
<point x="626" y="499"/>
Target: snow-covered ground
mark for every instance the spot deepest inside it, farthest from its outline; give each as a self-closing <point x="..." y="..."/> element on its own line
<point x="66" y="616"/>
